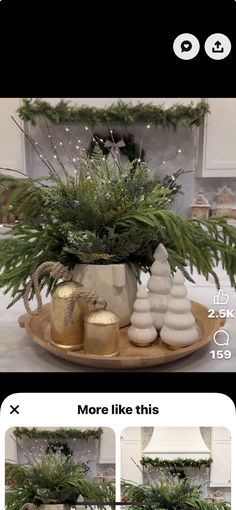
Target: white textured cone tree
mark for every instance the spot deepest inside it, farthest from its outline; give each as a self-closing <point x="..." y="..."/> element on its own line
<point x="159" y="285"/>
<point x="179" y="327"/>
<point x="142" y="331"/>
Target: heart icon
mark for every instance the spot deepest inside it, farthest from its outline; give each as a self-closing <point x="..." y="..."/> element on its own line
<point x="186" y="46"/>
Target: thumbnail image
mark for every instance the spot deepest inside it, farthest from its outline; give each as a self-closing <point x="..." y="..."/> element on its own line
<point x="176" y="468"/>
<point x="117" y="234"/>
<point x="59" y="468"/>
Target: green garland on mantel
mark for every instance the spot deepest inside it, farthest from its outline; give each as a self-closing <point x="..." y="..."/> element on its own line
<point x="179" y="462"/>
<point x="60" y="433"/>
<point x="120" y="111"/>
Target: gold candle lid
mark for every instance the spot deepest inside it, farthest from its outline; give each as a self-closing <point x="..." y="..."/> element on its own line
<point x="101" y="317"/>
<point x="65" y="289"/>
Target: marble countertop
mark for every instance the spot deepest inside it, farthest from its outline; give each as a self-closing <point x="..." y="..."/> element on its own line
<point x="19" y="354"/>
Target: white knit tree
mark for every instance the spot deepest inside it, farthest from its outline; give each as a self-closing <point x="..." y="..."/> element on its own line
<point x="179" y="328"/>
<point x="142" y="332"/>
<point x="159" y="285"/>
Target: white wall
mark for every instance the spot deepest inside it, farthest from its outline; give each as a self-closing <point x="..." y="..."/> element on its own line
<point x="107" y="447"/>
<point x="11" y="138"/>
<point x="10" y="447"/>
<point x="131" y="453"/>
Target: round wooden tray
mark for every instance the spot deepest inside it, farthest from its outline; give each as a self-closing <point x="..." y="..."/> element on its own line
<point x="38" y="328"/>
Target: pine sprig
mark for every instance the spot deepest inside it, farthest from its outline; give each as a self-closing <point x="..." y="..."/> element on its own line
<point x="21" y="254"/>
<point x="24" y="195"/>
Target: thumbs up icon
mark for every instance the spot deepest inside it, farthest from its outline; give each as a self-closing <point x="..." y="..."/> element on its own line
<point x="221" y="298"/>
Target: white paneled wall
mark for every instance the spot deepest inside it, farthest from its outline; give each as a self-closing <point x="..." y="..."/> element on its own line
<point x="11" y="138"/>
<point x="217" y="148"/>
<point x="131" y="453"/>
<point x="221" y="454"/>
<point x="10" y="448"/>
<point x="107" y="447"/>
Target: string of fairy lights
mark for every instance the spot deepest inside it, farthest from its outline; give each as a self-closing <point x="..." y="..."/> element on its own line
<point x="41" y="447"/>
<point x="78" y="148"/>
<point x="78" y="151"/>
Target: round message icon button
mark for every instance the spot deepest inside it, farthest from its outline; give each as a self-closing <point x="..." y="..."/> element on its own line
<point x="186" y="46"/>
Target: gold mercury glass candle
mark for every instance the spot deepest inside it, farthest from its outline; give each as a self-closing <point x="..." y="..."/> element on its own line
<point x="68" y="337"/>
<point x="101" y="333"/>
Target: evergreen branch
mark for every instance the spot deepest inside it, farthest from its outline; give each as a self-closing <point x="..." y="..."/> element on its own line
<point x="178" y="462"/>
<point x="60" y="433"/>
<point x="52" y="480"/>
<point x="104" y="218"/>
<point x="121" y="111"/>
<point x="170" y="493"/>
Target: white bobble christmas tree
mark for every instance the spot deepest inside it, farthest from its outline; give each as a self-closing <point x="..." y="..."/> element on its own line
<point x="179" y="328"/>
<point x="159" y="285"/>
<point x="142" y="331"/>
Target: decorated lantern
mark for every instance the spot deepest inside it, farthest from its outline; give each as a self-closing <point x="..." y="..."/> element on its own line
<point x="224" y="203"/>
<point x="200" y="207"/>
<point x="209" y="498"/>
<point x="218" y="497"/>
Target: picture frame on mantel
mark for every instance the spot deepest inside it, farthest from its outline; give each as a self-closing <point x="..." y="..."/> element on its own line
<point x="216" y="147"/>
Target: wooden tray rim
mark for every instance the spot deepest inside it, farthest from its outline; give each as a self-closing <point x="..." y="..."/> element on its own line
<point x="80" y="357"/>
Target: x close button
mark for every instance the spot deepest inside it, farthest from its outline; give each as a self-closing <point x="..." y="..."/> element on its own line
<point x="14" y="409"/>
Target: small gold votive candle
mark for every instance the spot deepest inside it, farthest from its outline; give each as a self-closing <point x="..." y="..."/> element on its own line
<point x="70" y="336"/>
<point x="101" y="333"/>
